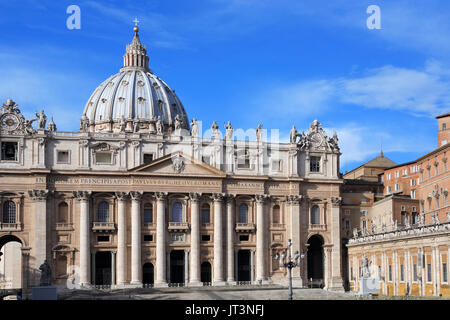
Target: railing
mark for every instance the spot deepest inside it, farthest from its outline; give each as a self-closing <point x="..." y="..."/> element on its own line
<point x="244" y="283"/>
<point x="206" y="284"/>
<point x="103" y="226"/>
<point x="245" y="227"/>
<point x="102" y="286"/>
<point x="315" y="283"/>
<point x="63" y="226"/>
<point x="149" y="225"/>
<point x="182" y="284"/>
<point x="178" y="226"/>
<point x="10" y="226"/>
<point x="148" y="285"/>
<point x="318" y="227"/>
<point x="206" y="225"/>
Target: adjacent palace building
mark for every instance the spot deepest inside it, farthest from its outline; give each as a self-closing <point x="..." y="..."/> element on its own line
<point x="139" y="197"/>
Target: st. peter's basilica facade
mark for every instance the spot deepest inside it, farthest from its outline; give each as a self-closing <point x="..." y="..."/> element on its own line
<point x="138" y="197"/>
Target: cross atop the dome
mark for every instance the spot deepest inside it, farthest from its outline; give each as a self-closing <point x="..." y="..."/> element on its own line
<point x="136" y="21"/>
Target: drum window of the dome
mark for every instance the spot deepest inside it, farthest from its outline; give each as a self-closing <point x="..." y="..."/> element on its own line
<point x="103" y="157"/>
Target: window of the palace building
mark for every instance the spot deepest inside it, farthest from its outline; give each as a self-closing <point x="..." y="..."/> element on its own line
<point x="397" y="187"/>
<point x="347" y="225"/>
<point x="444" y="272"/>
<point x="402" y="273"/>
<point x="314" y="164"/>
<point x="390" y="272"/>
<point x="415" y="277"/>
<point x="444" y="126"/>
<point x="315" y="215"/>
<point x="243" y="237"/>
<point x="103" y="212"/>
<point x="351" y="274"/>
<point x="429" y="172"/>
<point x="403" y="215"/>
<point x="62" y="157"/>
<point x="276" y="219"/>
<point x="429" y="279"/>
<point x="177" y="212"/>
<point x="389" y="176"/>
<point x="103" y="238"/>
<point x="9" y="212"/>
<point x="103" y="157"/>
<point x="148" y="237"/>
<point x="413" y="194"/>
<point x="206" y="213"/>
<point x="148" y="157"/>
<point x="389" y="190"/>
<point x="63" y="213"/>
<point x="396" y="174"/>
<point x="9" y="151"/>
<point x="206" y="237"/>
<point x="148" y="213"/>
<point x="243" y="213"/>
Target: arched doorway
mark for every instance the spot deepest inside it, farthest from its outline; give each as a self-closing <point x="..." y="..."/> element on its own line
<point x="205" y="275"/>
<point x="315" y="261"/>
<point x="10" y="262"/>
<point x="244" y="266"/>
<point x="177" y="266"/>
<point x="148" y="273"/>
<point x="103" y="268"/>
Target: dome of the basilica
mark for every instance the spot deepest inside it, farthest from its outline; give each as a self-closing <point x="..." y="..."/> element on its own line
<point x="133" y="99"/>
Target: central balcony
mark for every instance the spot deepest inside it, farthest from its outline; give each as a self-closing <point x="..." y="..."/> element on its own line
<point x="245" y="227"/>
<point x="318" y="227"/>
<point x="63" y="226"/>
<point x="178" y="226"/>
<point x="103" y="227"/>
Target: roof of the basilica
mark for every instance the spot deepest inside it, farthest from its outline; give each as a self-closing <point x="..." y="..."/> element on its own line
<point x="134" y="94"/>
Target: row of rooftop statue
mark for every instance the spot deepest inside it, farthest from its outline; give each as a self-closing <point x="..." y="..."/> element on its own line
<point x="156" y="125"/>
<point x="420" y="222"/>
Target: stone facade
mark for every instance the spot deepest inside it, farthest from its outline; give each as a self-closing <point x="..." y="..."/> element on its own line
<point x="130" y="203"/>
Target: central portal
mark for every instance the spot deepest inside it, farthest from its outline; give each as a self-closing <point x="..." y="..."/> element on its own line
<point x="244" y="266"/>
<point x="103" y="268"/>
<point x="177" y="266"/>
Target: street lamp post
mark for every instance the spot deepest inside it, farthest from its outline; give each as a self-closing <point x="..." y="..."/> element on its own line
<point x="290" y="264"/>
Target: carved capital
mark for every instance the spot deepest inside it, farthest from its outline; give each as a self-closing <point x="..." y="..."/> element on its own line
<point x="161" y="196"/>
<point x="294" y="199"/>
<point x="336" y="201"/>
<point x="194" y="196"/>
<point x="136" y="195"/>
<point x="38" y="195"/>
<point x="218" y="196"/>
<point x="83" y="143"/>
<point x="260" y="198"/>
<point x="121" y="196"/>
<point x="82" y="195"/>
<point x="231" y="198"/>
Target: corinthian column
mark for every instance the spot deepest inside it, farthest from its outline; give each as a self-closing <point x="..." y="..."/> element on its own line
<point x="336" y="277"/>
<point x="39" y="199"/>
<point x="161" y="239"/>
<point x="218" y="239"/>
<point x="261" y="256"/>
<point x="230" y="239"/>
<point x="85" y="248"/>
<point x="195" y="241"/>
<point x="121" y="239"/>
<point x="136" y="274"/>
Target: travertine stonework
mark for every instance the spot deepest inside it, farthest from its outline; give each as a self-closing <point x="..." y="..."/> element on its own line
<point x="139" y="197"/>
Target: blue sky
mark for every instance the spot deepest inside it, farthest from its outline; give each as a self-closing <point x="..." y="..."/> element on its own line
<point x="277" y="63"/>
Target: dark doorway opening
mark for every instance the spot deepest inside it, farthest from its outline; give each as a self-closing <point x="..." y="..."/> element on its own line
<point x="345" y="265"/>
<point x="244" y="266"/>
<point x="177" y="266"/>
<point x="315" y="261"/>
<point x="148" y="273"/>
<point x="103" y="268"/>
<point x="205" y="275"/>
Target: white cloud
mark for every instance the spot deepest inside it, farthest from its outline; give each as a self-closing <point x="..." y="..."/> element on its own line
<point x="419" y="92"/>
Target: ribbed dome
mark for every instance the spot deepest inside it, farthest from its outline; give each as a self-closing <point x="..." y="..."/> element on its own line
<point x="135" y="94"/>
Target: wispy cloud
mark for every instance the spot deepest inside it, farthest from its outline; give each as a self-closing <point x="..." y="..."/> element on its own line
<point x="424" y="92"/>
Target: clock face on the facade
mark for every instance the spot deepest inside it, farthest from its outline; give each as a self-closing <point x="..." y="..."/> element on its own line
<point x="316" y="139"/>
<point x="9" y="122"/>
